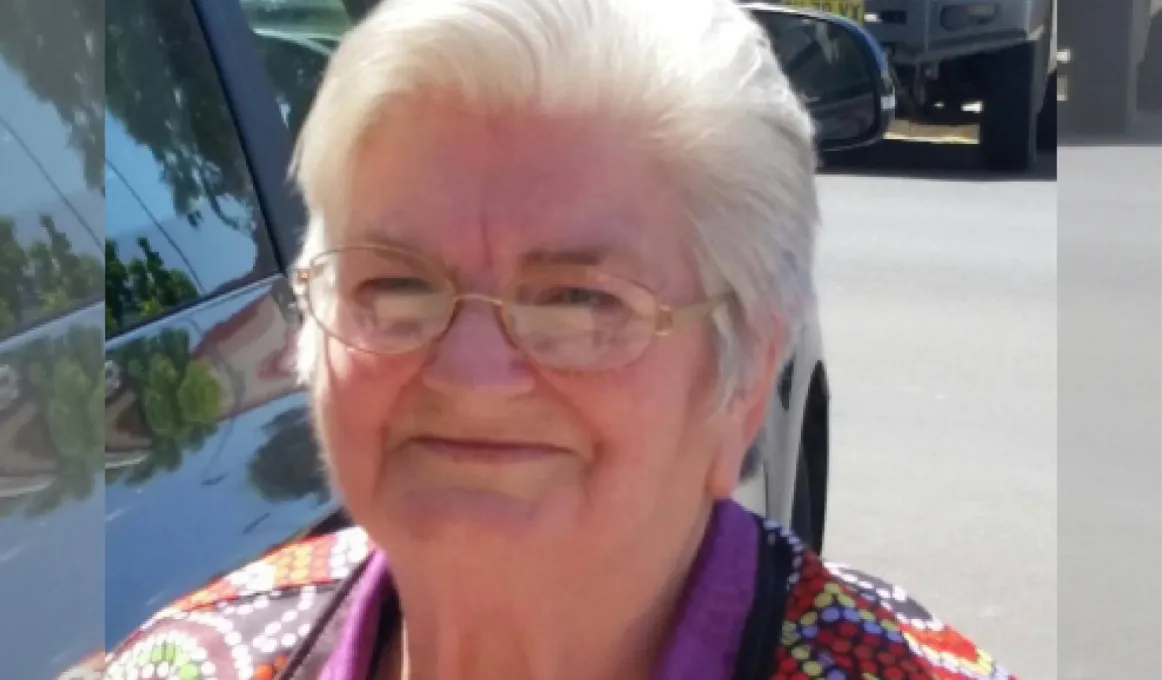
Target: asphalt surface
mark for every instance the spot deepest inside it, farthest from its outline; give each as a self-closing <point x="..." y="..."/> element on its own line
<point x="938" y="287"/>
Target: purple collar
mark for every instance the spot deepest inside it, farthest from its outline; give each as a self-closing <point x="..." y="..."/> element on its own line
<point x="704" y="643"/>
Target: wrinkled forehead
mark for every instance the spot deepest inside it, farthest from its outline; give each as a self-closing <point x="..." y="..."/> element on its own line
<point x="472" y="190"/>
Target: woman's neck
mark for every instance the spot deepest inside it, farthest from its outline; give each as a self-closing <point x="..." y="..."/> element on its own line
<point x="518" y="627"/>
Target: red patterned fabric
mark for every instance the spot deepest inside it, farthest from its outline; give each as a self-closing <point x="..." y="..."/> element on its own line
<point x="842" y="623"/>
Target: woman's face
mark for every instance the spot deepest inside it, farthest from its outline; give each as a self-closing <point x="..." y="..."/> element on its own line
<point x="469" y="442"/>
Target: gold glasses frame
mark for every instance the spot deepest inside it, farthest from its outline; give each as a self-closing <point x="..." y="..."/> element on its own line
<point x="665" y="318"/>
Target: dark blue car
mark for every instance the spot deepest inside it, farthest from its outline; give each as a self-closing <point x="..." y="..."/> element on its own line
<point x="152" y="435"/>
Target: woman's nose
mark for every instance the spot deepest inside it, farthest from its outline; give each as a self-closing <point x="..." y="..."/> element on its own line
<point x="475" y="354"/>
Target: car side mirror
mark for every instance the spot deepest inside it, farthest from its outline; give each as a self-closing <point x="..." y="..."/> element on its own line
<point x="837" y="68"/>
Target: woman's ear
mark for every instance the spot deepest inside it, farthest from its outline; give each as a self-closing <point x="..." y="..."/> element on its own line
<point x="758" y="393"/>
<point x="743" y="419"/>
<point x="726" y="464"/>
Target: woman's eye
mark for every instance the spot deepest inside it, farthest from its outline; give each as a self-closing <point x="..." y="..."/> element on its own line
<point x="396" y="284"/>
<point x="582" y="297"/>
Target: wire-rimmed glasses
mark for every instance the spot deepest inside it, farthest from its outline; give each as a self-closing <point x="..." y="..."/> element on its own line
<point x="390" y="301"/>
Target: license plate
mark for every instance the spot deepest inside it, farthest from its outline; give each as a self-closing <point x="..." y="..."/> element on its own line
<point x="852" y="9"/>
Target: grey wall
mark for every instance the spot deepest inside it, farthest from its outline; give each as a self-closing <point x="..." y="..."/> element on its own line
<point x="1106" y="46"/>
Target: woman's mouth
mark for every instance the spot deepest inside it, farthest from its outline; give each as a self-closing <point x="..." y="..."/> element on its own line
<point x="480" y="451"/>
<point x="468" y="472"/>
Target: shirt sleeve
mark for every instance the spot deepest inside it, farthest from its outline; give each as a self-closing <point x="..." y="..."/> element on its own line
<point x="843" y="623"/>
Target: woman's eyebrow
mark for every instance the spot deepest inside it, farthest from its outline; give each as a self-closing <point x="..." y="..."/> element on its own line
<point x="590" y="256"/>
<point x="620" y="261"/>
<point x="376" y="237"/>
<point x="575" y="256"/>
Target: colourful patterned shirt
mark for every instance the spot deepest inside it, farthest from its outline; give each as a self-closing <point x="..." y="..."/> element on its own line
<point x="765" y="609"/>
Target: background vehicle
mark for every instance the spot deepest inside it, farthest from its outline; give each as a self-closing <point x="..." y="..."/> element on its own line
<point x="950" y="53"/>
<point x="152" y="435"/>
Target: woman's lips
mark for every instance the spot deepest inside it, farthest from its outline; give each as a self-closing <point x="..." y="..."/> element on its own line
<point x="480" y="472"/>
<point x="479" y="451"/>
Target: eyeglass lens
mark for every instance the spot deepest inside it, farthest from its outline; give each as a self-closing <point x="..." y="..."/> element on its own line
<point x="562" y="316"/>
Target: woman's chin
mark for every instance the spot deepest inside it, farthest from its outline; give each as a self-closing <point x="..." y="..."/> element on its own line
<point x="475" y="501"/>
<point x="473" y="516"/>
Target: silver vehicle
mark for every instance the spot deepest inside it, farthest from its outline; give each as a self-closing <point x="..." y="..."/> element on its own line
<point x="948" y="54"/>
<point x="1002" y="53"/>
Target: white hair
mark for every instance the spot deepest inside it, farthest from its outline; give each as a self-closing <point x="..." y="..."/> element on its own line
<point x="697" y="76"/>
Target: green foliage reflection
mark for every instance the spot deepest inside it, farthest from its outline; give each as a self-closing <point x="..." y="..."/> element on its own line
<point x="64" y="377"/>
<point x="44" y="278"/>
<point x="141" y="288"/>
<point x="179" y="399"/>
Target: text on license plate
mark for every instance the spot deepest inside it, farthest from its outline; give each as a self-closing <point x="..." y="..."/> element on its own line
<point x="852" y="9"/>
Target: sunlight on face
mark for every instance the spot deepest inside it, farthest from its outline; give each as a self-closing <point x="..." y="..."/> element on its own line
<point x="468" y="441"/>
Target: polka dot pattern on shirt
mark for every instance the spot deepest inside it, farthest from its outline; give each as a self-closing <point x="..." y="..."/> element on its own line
<point x="255" y="617"/>
<point x="842" y="623"/>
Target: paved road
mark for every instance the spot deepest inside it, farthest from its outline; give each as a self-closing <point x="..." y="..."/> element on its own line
<point x="938" y="304"/>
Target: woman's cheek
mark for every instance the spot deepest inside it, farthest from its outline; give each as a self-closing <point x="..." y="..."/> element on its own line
<point x="355" y="396"/>
<point x="625" y="410"/>
<point x="365" y="385"/>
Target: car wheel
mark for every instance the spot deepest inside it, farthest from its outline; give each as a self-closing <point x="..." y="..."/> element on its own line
<point x="1009" y="120"/>
<point x="802" y="522"/>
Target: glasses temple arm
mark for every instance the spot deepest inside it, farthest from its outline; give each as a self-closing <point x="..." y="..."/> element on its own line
<point x="672" y="317"/>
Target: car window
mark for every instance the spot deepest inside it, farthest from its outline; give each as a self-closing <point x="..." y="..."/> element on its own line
<point x="824" y="62"/>
<point x="50" y="181"/>
<point x="182" y="219"/>
<point x="296" y="39"/>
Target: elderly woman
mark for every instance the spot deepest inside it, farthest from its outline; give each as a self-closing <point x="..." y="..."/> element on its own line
<point x="556" y="248"/>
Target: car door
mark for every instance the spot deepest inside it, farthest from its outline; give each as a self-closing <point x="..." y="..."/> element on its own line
<point x="209" y="455"/>
<point x="152" y="434"/>
<point x="51" y="507"/>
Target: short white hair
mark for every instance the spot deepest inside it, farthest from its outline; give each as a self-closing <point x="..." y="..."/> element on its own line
<point x="698" y="77"/>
